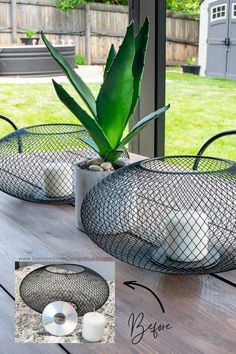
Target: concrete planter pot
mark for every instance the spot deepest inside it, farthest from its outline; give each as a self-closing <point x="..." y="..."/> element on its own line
<point x="84" y="181"/>
<point x="191" y="69"/>
<point x="30" y="41"/>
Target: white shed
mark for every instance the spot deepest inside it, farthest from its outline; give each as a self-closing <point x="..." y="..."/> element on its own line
<point x="217" y="38"/>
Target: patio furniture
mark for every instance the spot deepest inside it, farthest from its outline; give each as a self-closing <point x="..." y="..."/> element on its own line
<point x="210" y="141"/>
<point x="214" y="138"/>
<point x="196" y="307"/>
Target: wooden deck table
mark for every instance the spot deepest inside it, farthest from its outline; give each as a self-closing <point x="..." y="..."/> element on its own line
<point x="201" y="310"/>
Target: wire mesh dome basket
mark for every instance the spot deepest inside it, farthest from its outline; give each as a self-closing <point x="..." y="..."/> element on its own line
<point x="37" y="162"/>
<point x="81" y="286"/>
<point x="171" y="214"/>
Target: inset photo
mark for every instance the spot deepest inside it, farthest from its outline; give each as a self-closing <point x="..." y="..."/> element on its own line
<point x="65" y="303"/>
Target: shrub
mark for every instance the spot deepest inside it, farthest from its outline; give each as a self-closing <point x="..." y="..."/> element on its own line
<point x="80" y="60"/>
<point x="29" y="33"/>
<point x="192" y="61"/>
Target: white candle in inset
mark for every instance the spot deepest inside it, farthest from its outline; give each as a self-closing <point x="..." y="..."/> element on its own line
<point x="58" y="179"/>
<point x="93" y="326"/>
<point x="187" y="235"/>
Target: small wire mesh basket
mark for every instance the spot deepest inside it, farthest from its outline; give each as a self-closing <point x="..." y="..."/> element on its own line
<point x="76" y="284"/>
<point x="171" y="214"/>
<point x="37" y="162"/>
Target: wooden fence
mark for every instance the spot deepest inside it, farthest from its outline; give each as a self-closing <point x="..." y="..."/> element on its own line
<point x="92" y="28"/>
<point x="182" y="34"/>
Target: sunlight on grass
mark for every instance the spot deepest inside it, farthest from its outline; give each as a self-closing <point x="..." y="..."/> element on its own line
<point x="200" y="108"/>
<point x="34" y="104"/>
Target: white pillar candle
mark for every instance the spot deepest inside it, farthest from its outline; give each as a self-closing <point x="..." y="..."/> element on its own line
<point x="58" y="179"/>
<point x="187" y="235"/>
<point x="93" y="326"/>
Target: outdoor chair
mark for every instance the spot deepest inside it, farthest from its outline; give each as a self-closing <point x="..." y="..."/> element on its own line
<point x="215" y="137"/>
<point x="210" y="141"/>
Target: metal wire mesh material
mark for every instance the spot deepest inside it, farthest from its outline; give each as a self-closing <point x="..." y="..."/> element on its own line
<point x="37" y="163"/>
<point x="170" y="214"/>
<point x="75" y="284"/>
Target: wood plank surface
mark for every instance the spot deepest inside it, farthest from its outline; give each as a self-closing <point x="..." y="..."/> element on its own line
<point x="7" y="331"/>
<point x="201" y="310"/>
<point x="196" y="307"/>
<point x="230" y="276"/>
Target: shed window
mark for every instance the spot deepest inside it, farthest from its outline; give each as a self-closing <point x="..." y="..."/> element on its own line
<point x="219" y="12"/>
<point x="234" y="10"/>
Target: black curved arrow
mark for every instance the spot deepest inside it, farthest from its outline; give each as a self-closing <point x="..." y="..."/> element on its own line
<point x="131" y="284"/>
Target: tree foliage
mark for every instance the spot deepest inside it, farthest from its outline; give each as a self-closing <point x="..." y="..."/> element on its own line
<point x="187" y="6"/>
<point x="70" y="4"/>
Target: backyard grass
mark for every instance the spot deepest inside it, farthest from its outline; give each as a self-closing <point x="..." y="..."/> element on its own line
<point x="200" y="108"/>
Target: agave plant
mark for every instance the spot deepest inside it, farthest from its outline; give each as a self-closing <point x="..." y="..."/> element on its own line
<point x="111" y="112"/>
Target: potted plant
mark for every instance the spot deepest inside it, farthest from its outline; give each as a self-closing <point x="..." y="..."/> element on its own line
<point x="191" y="66"/>
<point x="107" y="116"/>
<point x="30" y="37"/>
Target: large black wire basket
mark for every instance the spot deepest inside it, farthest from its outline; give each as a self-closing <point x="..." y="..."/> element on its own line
<point x="37" y="162"/>
<point x="84" y="288"/>
<point x="170" y="214"/>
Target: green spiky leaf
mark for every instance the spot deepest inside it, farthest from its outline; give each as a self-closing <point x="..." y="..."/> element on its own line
<point x="89" y="123"/>
<point x="113" y="155"/>
<point x="142" y="124"/>
<point x="110" y="59"/>
<point x="91" y="143"/>
<point x="74" y="78"/>
<point x="141" y="42"/>
<point x="114" y="100"/>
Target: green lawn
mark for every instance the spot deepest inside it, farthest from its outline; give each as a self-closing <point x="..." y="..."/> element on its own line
<point x="34" y="104"/>
<point x="200" y="107"/>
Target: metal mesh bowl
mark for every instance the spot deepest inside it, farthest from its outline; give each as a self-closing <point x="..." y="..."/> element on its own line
<point x="37" y="162"/>
<point x="72" y="283"/>
<point x="170" y="214"/>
